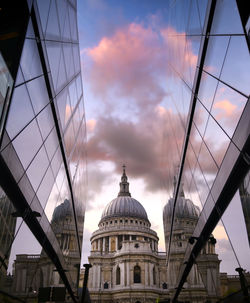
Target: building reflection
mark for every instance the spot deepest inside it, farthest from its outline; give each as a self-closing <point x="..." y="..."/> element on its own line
<point x="244" y="191"/>
<point x="42" y="148"/>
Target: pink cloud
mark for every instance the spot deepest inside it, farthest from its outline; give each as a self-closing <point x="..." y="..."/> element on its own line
<point x="226" y="107"/>
<point x="180" y="49"/>
<point x="91" y="125"/>
<point x="134" y="63"/>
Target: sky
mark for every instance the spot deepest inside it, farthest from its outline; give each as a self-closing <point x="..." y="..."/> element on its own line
<point x="136" y="107"/>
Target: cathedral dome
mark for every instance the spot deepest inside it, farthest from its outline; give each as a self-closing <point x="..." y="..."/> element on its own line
<point x="124" y="205"/>
<point x="61" y="211"/>
<point x="184" y="208"/>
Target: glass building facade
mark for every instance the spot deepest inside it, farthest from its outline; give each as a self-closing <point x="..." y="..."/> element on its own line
<point x="210" y="73"/>
<point x="42" y="148"/>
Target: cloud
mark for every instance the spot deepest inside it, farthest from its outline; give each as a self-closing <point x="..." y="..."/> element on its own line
<point x="97" y="179"/>
<point x="91" y="125"/>
<point x="139" y="145"/>
<point x="131" y="70"/>
<point x="226" y="108"/>
<point x="134" y="64"/>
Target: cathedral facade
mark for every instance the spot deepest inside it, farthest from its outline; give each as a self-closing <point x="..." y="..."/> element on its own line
<point x="126" y="264"/>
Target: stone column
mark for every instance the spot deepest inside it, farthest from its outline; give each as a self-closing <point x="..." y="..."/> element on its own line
<point x="150" y="274"/>
<point x="146" y="273"/>
<point x="109" y="244"/>
<point x="121" y="265"/>
<point x="128" y="273"/>
<point x="103" y="244"/>
<point x="94" y="276"/>
<point x="98" y="272"/>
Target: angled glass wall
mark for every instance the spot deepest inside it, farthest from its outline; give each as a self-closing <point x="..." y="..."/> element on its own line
<point x="42" y="148"/>
<point x="211" y="65"/>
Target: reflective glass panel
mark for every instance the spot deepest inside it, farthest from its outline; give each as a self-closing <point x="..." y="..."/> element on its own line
<point x="226" y="18"/>
<point x="227" y="108"/>
<point x="38" y="93"/>
<point x="27" y="143"/>
<point x="20" y="112"/>
<point x="52" y="29"/>
<point x="30" y="60"/>
<point x="236" y="69"/>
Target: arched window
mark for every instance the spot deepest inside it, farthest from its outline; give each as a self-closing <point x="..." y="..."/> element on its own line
<point x="137" y="274"/>
<point x="118" y="275"/>
<point x="154" y="276"/>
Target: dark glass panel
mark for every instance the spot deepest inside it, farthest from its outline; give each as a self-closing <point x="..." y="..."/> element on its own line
<point x="73" y="2"/>
<point x="66" y="30"/>
<point x="81" y="109"/>
<point x="63" y="105"/>
<point x="30" y="60"/>
<point x="202" y="6"/>
<point x="76" y="57"/>
<point x="215" y="56"/>
<point x="51" y="143"/>
<point x="27" y="143"/>
<point x="61" y="80"/>
<point x="45" y="187"/>
<point x="73" y="95"/>
<point x="45" y="121"/>
<point x="11" y="159"/>
<point x="224" y="250"/>
<point x="43" y="7"/>
<point x="7" y="232"/>
<point x="208" y="165"/>
<point x="19" y="77"/>
<point x="68" y="57"/>
<point x="38" y="93"/>
<point x="194" y="26"/>
<point x="52" y="201"/>
<point x="73" y="20"/>
<point x="236" y="69"/>
<point x="52" y="30"/>
<point x="24" y="259"/>
<point x="237" y="232"/>
<point x="195" y="143"/>
<point x="56" y="162"/>
<point x="69" y="138"/>
<point x="62" y="9"/>
<point x="226" y="18"/>
<point x="30" y="31"/>
<point x="79" y="86"/>
<point x="27" y="188"/>
<point x="227" y="108"/>
<point x="200" y="118"/>
<point x="54" y="55"/>
<point x="76" y="122"/>
<point x="37" y="168"/>
<point x="20" y="112"/>
<point x="207" y="90"/>
<point x="216" y="140"/>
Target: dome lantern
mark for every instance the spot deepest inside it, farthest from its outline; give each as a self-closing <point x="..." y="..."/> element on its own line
<point x="124" y="205"/>
<point x="124" y="185"/>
